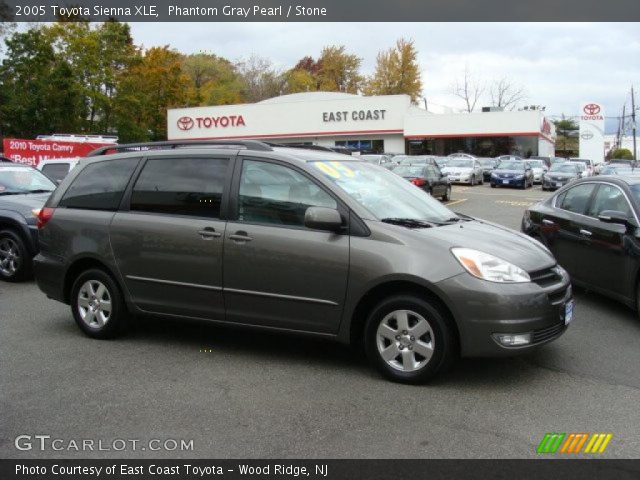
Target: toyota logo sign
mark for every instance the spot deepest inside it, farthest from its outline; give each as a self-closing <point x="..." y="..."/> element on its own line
<point x="185" y="123"/>
<point x="591" y="109"/>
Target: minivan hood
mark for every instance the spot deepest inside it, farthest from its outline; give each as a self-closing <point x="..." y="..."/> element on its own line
<point x="510" y="245"/>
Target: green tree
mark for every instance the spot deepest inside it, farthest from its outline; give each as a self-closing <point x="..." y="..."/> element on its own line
<point x="146" y="90"/>
<point x="37" y="91"/>
<point x="213" y="80"/>
<point x="397" y="71"/>
<point x="339" y="71"/>
<point x="566" y="130"/>
<point x="622" y="153"/>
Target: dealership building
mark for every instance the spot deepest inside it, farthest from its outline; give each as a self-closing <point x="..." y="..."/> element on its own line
<point x="388" y="123"/>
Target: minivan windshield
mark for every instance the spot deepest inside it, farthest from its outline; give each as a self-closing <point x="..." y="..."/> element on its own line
<point x="17" y="180"/>
<point x="387" y="196"/>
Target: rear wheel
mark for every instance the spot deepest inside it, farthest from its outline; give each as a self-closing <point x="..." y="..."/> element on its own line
<point x="409" y="340"/>
<point x="97" y="305"/>
<point x="15" y="261"/>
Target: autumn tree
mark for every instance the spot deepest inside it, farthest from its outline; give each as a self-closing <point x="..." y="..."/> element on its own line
<point x="469" y="89"/>
<point x="151" y="86"/>
<point x="505" y="94"/>
<point x="213" y="80"/>
<point x="397" y="71"/>
<point x="339" y="70"/>
<point x="260" y="80"/>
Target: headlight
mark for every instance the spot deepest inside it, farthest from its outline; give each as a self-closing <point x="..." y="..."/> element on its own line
<point x="519" y="177"/>
<point x="490" y="268"/>
<point x="493" y="175"/>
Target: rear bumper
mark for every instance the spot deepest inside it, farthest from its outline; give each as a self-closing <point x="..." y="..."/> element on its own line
<point x="49" y="273"/>
<point x="483" y="309"/>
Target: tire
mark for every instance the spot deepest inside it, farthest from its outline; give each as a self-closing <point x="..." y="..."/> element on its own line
<point x="447" y="194"/>
<point x="493" y="185"/>
<point x="473" y="181"/>
<point x="16" y="263"/>
<point x="384" y="331"/>
<point x="92" y="322"/>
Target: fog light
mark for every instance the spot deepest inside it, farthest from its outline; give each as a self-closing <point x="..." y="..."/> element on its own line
<point x="512" y="339"/>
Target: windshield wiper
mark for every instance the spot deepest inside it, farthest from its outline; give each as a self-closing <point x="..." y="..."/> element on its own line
<point x="408" y="222"/>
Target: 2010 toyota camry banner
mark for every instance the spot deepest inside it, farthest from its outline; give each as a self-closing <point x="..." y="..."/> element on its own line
<point x="32" y="152"/>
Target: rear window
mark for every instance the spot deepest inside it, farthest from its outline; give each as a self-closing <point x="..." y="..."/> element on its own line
<point x="56" y="171"/>
<point x="99" y="186"/>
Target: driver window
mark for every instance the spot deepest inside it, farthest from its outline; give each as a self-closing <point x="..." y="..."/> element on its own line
<point x="278" y="195"/>
<point x="609" y="197"/>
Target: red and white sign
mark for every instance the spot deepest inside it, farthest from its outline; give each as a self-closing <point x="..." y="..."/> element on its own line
<point x="32" y="152"/>
<point x="591" y="140"/>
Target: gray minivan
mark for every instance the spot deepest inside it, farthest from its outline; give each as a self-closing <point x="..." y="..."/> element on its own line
<point x="295" y="240"/>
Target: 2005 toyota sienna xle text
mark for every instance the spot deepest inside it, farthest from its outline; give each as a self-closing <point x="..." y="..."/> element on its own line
<point x="298" y="240"/>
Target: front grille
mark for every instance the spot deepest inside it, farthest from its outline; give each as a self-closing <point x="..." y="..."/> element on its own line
<point x="547" y="333"/>
<point x="546" y="276"/>
<point x="557" y="297"/>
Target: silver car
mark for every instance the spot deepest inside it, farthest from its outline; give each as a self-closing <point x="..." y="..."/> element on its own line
<point x="464" y="170"/>
<point x="539" y="169"/>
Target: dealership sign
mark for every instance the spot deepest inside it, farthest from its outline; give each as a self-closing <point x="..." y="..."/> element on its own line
<point x="32" y="152"/>
<point x="592" y="131"/>
<point x="187" y="123"/>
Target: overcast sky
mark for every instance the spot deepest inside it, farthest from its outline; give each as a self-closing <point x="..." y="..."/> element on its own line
<point x="559" y="64"/>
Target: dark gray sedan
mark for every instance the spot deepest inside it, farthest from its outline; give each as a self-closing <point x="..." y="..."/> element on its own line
<point x="559" y="175"/>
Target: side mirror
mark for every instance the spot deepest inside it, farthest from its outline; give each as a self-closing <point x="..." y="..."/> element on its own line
<point x="614" y="216"/>
<point x="323" y="218"/>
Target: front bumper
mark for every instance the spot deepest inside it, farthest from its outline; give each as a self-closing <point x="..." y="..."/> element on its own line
<point x="483" y="309"/>
<point x="508" y="182"/>
<point x="458" y="179"/>
<point x="554" y="184"/>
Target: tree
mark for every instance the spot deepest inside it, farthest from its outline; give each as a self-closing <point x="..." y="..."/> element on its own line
<point x="565" y="127"/>
<point x="6" y="27"/>
<point x="260" y="80"/>
<point x="299" y="80"/>
<point x="214" y="80"/>
<point x="146" y="90"/>
<point x="339" y="71"/>
<point x="622" y="153"/>
<point x="505" y="94"/>
<point x="397" y="71"/>
<point x="468" y="89"/>
<point x="38" y="93"/>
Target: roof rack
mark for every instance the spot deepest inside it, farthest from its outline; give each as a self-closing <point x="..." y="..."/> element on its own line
<point x="172" y="144"/>
<point x="301" y="146"/>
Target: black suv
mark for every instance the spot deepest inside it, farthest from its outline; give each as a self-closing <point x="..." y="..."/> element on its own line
<point x="22" y="189"/>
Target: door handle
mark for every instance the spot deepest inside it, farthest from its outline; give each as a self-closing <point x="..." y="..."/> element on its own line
<point x="208" y="233"/>
<point x="548" y="222"/>
<point x="586" y="233"/>
<point x="240" y="237"/>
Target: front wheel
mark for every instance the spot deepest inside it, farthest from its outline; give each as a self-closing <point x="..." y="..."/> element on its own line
<point x="15" y="261"/>
<point x="97" y="305"/>
<point x="409" y="340"/>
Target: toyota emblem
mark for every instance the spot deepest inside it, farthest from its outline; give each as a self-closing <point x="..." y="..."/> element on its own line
<point x="591" y="109"/>
<point x="185" y="123"/>
<point x="587" y="135"/>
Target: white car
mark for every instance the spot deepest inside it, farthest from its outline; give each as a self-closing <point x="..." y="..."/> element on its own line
<point x="539" y="169"/>
<point x="58" y="168"/>
<point x="464" y="170"/>
<point x="590" y="167"/>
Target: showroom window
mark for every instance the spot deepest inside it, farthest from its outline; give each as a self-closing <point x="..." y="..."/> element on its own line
<point x="364" y="146"/>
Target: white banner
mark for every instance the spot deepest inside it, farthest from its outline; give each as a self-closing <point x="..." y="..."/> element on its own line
<point x="592" y="131"/>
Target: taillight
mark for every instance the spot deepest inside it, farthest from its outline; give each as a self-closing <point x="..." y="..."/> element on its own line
<point x="43" y="215"/>
<point x="418" y="181"/>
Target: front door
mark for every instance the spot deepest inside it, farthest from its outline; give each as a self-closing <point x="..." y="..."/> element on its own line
<point x="168" y="246"/>
<point x="277" y="272"/>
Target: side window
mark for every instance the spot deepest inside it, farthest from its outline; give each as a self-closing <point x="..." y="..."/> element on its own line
<point x="99" y="186"/>
<point x="609" y="197"/>
<point x="576" y="199"/>
<point x="430" y="172"/>
<point x="181" y="186"/>
<point x="278" y="195"/>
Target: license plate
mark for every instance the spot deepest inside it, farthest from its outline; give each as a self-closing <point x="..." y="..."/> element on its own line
<point x="558" y="184"/>
<point x="568" y="313"/>
<point x="505" y="181"/>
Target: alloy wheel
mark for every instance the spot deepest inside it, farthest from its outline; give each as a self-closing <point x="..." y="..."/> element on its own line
<point x="405" y="340"/>
<point x="94" y="304"/>
<point x="10" y="259"/>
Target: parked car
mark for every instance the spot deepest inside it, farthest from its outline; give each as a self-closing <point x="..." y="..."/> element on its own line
<point x="4" y="159"/>
<point x="57" y="169"/>
<point x="487" y="164"/>
<point x="464" y="170"/>
<point x="427" y="177"/>
<point x="22" y="189"/>
<point x="382" y="160"/>
<point x="509" y="157"/>
<point x="442" y="161"/>
<point x="415" y="159"/>
<point x="545" y="160"/>
<point x="309" y="241"/>
<point x="539" y="168"/>
<point x="461" y="155"/>
<point x="512" y="173"/>
<point x="589" y="166"/>
<point x="591" y="228"/>
<point x="618" y="169"/>
<point x="559" y="175"/>
<point x="557" y="160"/>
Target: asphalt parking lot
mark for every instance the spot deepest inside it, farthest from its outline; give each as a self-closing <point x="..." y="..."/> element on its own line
<point x="239" y="393"/>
